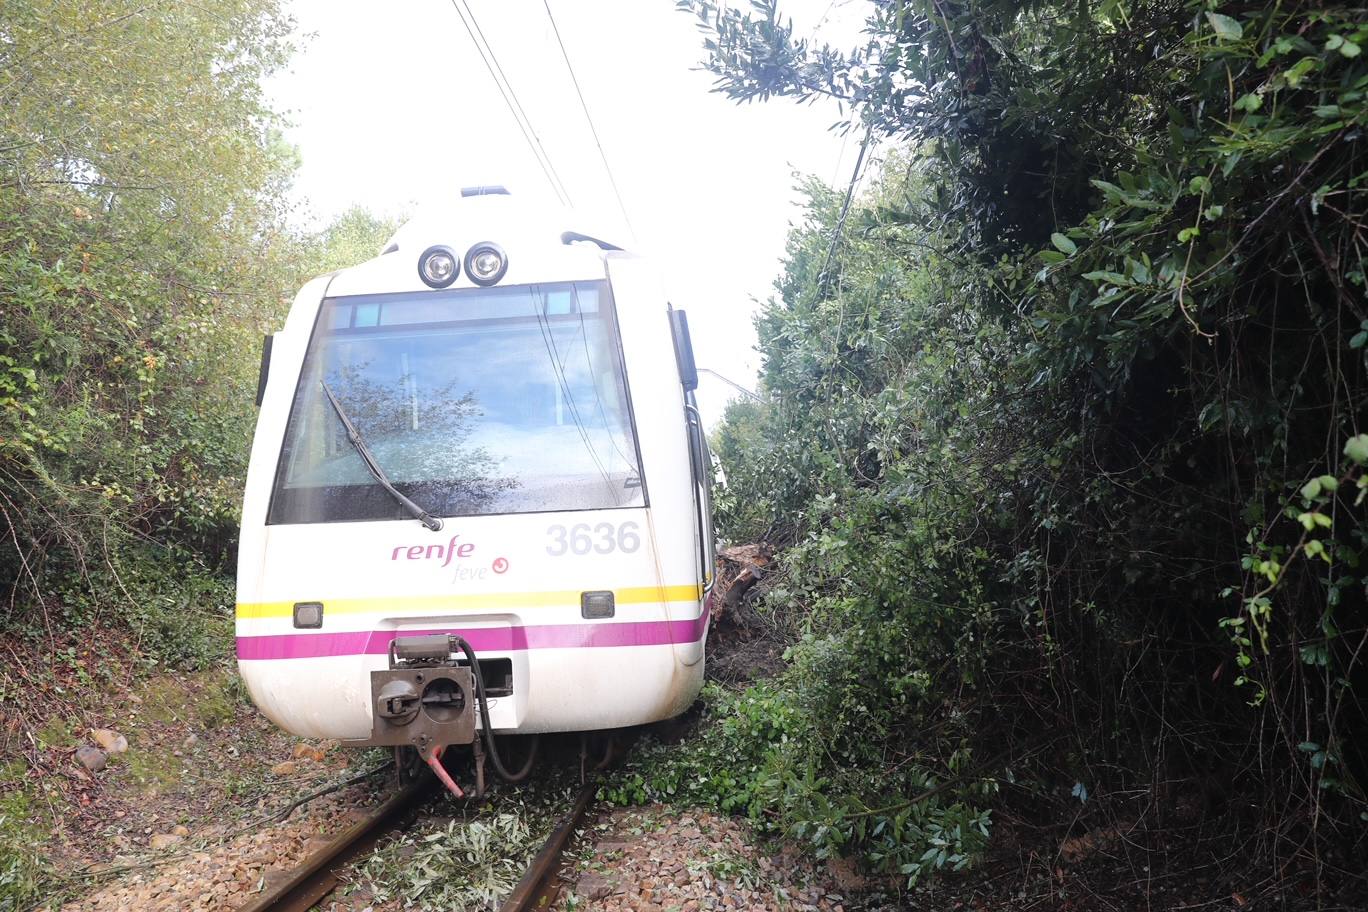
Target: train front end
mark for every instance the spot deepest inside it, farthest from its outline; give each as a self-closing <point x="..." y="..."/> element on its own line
<point x="477" y="483"/>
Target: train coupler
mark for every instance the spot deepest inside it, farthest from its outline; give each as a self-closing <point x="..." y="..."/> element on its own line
<point x="424" y="699"/>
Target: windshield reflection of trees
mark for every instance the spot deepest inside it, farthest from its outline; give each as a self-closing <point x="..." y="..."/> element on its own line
<point x="420" y="439"/>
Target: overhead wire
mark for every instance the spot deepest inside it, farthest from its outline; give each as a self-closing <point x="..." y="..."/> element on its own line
<point x="516" y="101"/>
<point x="589" y="118"/>
<point x="510" y="97"/>
<point x="824" y="277"/>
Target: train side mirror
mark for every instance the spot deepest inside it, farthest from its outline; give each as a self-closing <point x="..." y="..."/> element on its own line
<point x="683" y="348"/>
<point x="265" y="368"/>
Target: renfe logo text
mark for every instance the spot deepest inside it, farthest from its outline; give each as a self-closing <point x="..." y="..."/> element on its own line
<point x="444" y="553"/>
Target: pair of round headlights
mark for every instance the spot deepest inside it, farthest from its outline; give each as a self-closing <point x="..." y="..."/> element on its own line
<point x="485" y="264"/>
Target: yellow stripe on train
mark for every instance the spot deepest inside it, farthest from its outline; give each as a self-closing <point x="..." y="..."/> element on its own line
<point x="433" y="604"/>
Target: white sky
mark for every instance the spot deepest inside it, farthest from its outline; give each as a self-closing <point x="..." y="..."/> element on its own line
<point x="392" y="105"/>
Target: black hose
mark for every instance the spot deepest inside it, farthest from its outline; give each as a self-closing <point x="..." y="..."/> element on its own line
<point x="488" y="731"/>
<point x="521" y="774"/>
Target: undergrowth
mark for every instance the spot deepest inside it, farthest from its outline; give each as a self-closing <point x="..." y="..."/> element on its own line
<point x="750" y="758"/>
<point x="22" y="866"/>
<point x="1061" y="440"/>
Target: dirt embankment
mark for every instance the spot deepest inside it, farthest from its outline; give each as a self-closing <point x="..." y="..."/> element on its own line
<point x="127" y="791"/>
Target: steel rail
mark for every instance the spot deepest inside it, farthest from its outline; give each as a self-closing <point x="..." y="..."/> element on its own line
<point x="317" y="876"/>
<point x="538" y="887"/>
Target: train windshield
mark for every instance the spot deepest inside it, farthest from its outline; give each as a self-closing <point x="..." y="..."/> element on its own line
<point x="507" y="400"/>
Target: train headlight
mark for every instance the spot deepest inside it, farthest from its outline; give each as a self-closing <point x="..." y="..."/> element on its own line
<point x="486" y="263"/>
<point x="438" y="267"/>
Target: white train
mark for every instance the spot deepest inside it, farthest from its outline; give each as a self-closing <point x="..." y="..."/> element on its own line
<point x="481" y="444"/>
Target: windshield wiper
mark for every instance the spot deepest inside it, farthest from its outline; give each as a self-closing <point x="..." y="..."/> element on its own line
<point x="354" y="438"/>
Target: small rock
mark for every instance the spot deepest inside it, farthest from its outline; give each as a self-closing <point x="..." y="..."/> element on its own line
<point x="92" y="758"/>
<point x="285" y="768"/>
<point x="110" y="740"/>
<point x="161" y="841"/>
<point x="594" y="886"/>
<point x="190" y="740"/>
<point x="180" y="830"/>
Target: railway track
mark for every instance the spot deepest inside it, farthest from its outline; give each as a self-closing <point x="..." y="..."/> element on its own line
<point x="320" y="874"/>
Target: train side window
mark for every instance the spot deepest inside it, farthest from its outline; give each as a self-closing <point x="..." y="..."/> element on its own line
<point x="700" y="461"/>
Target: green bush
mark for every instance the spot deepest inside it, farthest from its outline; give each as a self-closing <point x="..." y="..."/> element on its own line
<point x="143" y="251"/>
<point x="1062" y="418"/>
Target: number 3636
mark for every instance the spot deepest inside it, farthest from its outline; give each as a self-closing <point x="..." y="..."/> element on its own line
<point x="600" y="538"/>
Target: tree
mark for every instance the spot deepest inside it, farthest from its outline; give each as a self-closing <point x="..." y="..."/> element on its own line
<point x="1068" y="410"/>
<point x="143" y="250"/>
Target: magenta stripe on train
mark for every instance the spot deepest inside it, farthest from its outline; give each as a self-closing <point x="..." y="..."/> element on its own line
<point x="481" y="639"/>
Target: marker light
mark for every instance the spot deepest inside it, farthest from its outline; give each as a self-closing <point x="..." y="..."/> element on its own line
<point x="438" y="266"/>
<point x="597" y="604"/>
<point x="308" y="615"/>
<point x="486" y="263"/>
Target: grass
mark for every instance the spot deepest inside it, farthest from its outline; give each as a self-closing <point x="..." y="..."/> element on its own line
<point x="57" y="732"/>
<point x="207" y="701"/>
<point x="22" y="868"/>
<point x="154" y="771"/>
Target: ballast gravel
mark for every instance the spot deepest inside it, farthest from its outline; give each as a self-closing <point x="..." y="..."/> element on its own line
<point x="657" y="860"/>
<point x="210" y="871"/>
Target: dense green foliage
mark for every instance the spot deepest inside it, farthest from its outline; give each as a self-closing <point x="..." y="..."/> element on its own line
<point x="142" y="253"/>
<point x="1063" y="431"/>
<point x="144" y="250"/>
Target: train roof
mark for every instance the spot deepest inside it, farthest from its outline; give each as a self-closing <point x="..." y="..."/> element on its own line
<point x="540" y="244"/>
